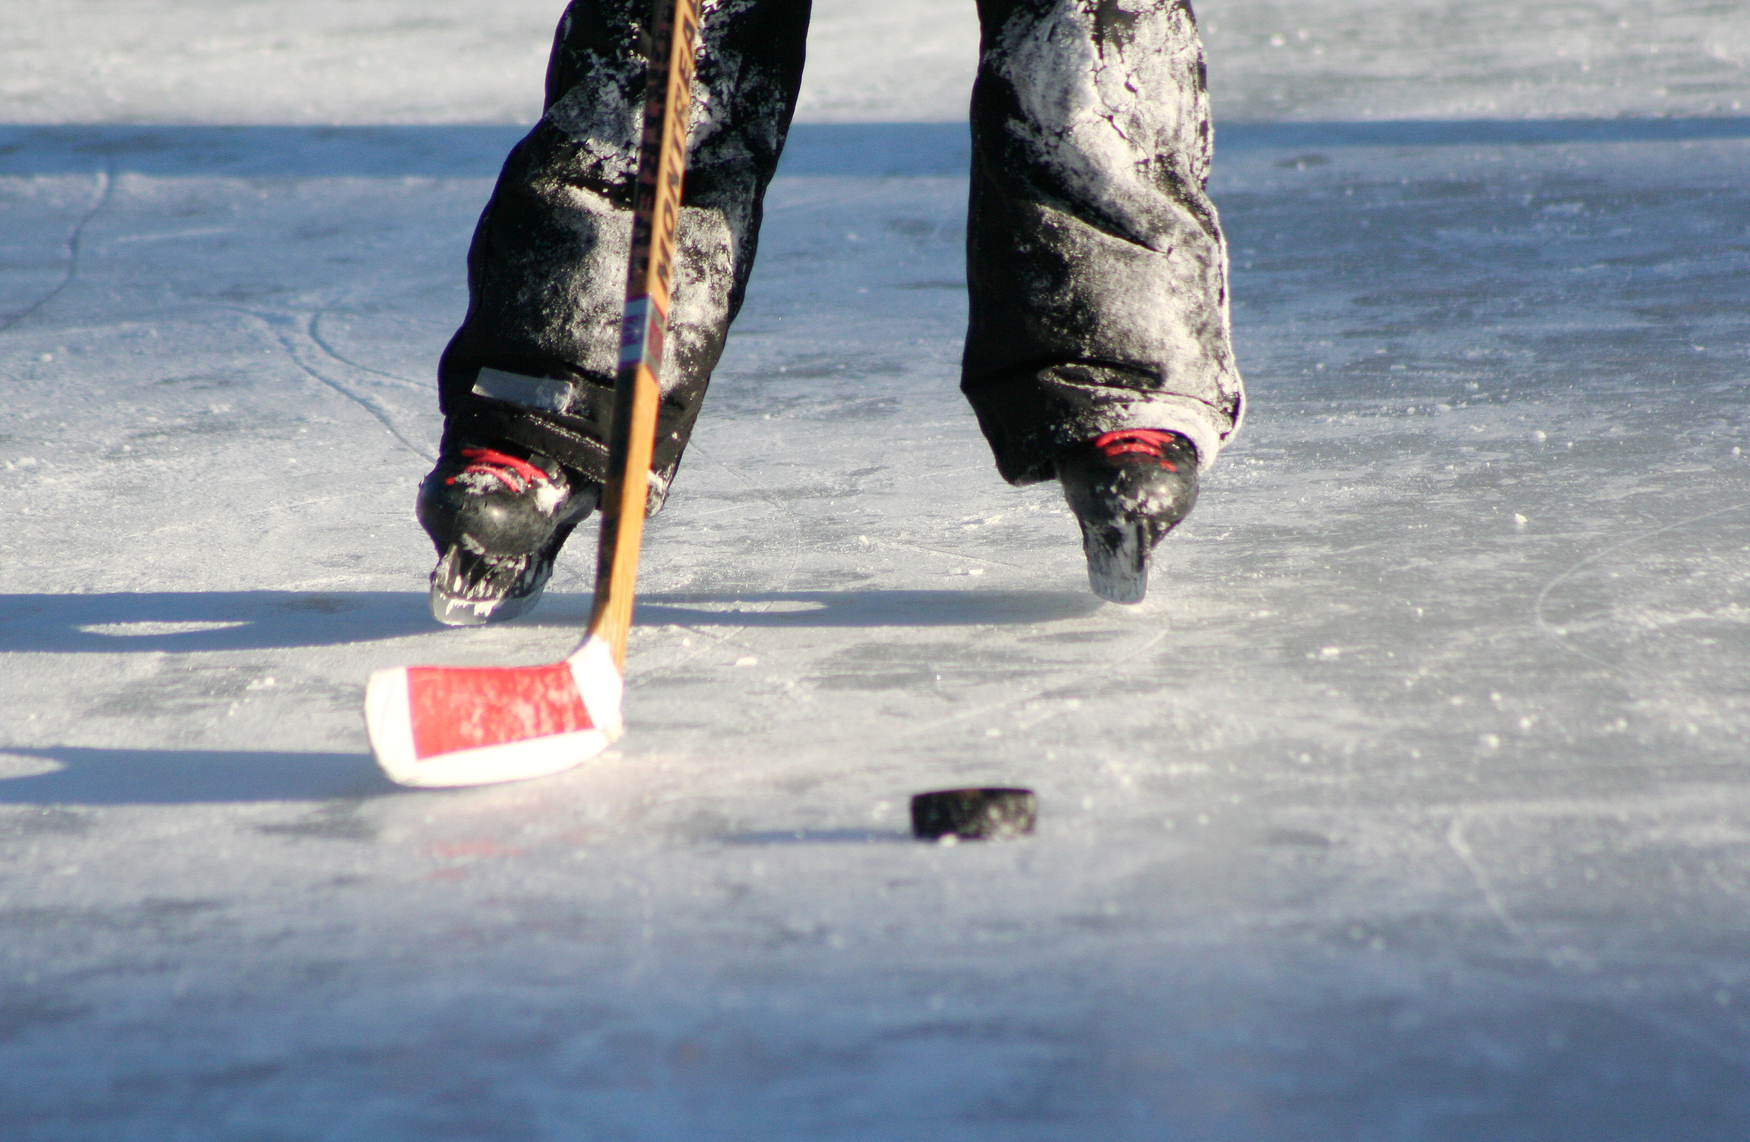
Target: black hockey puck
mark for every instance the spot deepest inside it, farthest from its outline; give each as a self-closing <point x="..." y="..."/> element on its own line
<point x="974" y="814"/>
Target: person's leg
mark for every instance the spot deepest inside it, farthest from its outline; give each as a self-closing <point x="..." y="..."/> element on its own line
<point x="531" y="371"/>
<point x="1095" y="263"/>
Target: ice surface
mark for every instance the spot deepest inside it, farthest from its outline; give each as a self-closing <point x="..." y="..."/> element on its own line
<point x="1412" y="806"/>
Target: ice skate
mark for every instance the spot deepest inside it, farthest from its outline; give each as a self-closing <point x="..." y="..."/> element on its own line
<point x="498" y="521"/>
<point x="1128" y="489"/>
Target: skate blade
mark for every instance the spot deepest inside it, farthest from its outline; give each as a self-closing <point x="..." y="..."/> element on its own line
<point x="1118" y="563"/>
<point x="452" y="606"/>
<point x="455" y="611"/>
<point x="434" y="727"/>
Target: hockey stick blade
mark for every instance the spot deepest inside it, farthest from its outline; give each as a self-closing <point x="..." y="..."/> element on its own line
<point x="434" y="727"/>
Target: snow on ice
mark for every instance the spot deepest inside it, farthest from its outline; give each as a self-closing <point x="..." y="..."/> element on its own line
<point x="1412" y="806"/>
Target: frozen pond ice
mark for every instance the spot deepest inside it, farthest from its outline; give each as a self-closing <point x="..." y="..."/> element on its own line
<point x="1412" y="806"/>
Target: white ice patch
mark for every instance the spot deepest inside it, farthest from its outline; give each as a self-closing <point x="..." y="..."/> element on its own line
<point x="148" y="629"/>
<point x="16" y="765"/>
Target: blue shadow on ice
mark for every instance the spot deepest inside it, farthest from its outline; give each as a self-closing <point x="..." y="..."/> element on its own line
<point x="476" y="150"/>
<point x="174" y="622"/>
<point x="857" y="608"/>
<point x="190" y="776"/>
<point x="818" y="837"/>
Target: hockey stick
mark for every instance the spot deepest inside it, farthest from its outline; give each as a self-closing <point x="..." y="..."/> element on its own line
<point x="435" y="726"/>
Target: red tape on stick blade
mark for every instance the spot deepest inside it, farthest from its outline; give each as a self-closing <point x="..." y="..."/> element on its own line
<point x="457" y="708"/>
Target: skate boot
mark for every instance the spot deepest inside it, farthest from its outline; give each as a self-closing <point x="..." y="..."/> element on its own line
<point x="497" y="520"/>
<point x="1128" y="489"/>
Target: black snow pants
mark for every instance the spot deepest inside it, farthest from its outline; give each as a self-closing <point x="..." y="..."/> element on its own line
<point x="1096" y="267"/>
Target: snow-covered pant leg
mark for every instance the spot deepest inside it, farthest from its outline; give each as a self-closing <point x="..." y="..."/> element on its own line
<point x="535" y="359"/>
<point x="1096" y="266"/>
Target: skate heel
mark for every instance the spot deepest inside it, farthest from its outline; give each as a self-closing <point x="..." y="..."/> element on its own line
<point x="1128" y="489"/>
<point x="1118" y="558"/>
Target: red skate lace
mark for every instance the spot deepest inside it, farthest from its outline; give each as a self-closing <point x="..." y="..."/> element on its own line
<point x="487" y="462"/>
<point x="1147" y="441"/>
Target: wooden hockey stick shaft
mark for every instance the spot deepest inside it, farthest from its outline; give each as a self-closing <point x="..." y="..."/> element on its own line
<point x="662" y="160"/>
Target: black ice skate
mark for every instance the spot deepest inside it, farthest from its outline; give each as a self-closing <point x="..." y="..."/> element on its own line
<point x="497" y="521"/>
<point x="1128" y="489"/>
